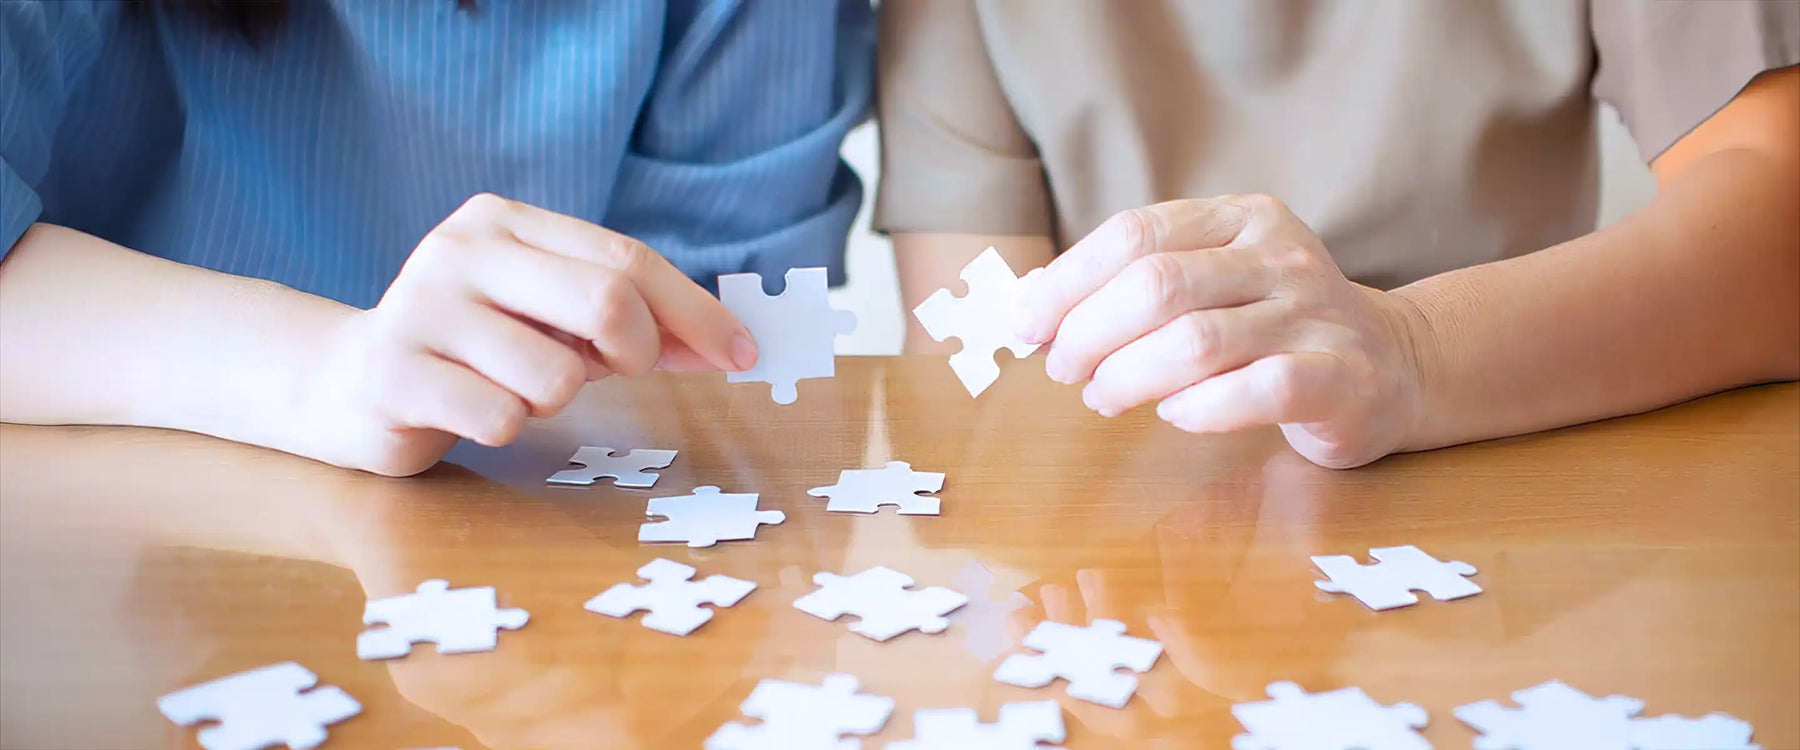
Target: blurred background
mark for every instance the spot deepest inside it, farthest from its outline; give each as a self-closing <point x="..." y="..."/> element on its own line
<point x="873" y="291"/>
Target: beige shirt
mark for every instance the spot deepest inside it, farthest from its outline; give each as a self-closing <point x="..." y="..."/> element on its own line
<point x="1414" y="136"/>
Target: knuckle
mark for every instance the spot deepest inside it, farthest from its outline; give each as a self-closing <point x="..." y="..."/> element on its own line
<point x="1201" y="337"/>
<point x="1264" y="203"/>
<point x="1137" y="227"/>
<point x="607" y="299"/>
<point x="502" y="421"/>
<point x="485" y="206"/>
<point x="563" y="376"/>
<point x="632" y="257"/>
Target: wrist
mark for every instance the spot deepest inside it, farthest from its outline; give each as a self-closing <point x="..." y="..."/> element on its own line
<point x="1421" y="354"/>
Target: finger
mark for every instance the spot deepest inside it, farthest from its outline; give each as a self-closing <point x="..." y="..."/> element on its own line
<point x="1059" y="604"/>
<point x="679" y="305"/>
<point x="1149" y="292"/>
<point x="590" y="357"/>
<point x="1045" y="297"/>
<point x="1096" y="598"/>
<point x="677" y="356"/>
<point x="587" y="300"/>
<point x="437" y="394"/>
<point x="1187" y="350"/>
<point x="1284" y="388"/>
<point x="515" y="355"/>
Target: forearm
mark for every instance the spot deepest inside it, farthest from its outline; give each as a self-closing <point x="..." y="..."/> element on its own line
<point x="1696" y="293"/>
<point x="929" y="262"/>
<point x="94" y="333"/>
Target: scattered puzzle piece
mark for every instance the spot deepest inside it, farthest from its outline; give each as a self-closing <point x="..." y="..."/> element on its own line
<point x="264" y="707"/>
<point x="705" y="518"/>
<point x="1553" y="716"/>
<point x="981" y="319"/>
<point x="1086" y="657"/>
<point x="1709" y="732"/>
<point x="626" y="470"/>
<point x="880" y="597"/>
<point x="1397" y="573"/>
<point x="1343" y="719"/>
<point x="796" y="716"/>
<point x="1021" y="727"/>
<point x="794" y="330"/>
<point x="865" y="490"/>
<point x="458" y="621"/>
<point x="673" y="600"/>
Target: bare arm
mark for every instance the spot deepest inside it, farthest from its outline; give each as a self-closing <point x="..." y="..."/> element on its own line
<point x="95" y="333"/>
<point x="929" y="262"/>
<point x="1697" y="292"/>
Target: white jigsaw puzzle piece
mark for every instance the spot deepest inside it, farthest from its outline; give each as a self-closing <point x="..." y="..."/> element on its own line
<point x="981" y="319"/>
<point x="794" y="330"/>
<point x="1087" y="657"/>
<point x="673" y="600"/>
<point x="797" y="716"/>
<point x="881" y="598"/>
<point x="627" y="470"/>
<point x="1022" y="726"/>
<point x="1398" y="572"/>
<point x="1709" y="732"/>
<point x="270" y="706"/>
<point x="706" y="517"/>
<point x="1343" y="719"/>
<point x="1553" y="716"/>
<point x="457" y="620"/>
<point x="865" y="490"/>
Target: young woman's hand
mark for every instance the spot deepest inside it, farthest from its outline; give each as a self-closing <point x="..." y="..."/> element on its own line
<point x="504" y="311"/>
<point x="1229" y="312"/>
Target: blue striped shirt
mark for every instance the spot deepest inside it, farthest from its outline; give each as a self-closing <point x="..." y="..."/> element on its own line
<point x="319" y="157"/>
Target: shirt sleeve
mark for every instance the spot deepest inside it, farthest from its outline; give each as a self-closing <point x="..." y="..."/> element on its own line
<point x="1669" y="65"/>
<point x="954" y="157"/>
<point x="44" y="48"/>
<point x="734" y="164"/>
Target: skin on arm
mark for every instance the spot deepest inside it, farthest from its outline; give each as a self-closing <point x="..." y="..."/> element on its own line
<point x="929" y="262"/>
<point x="1695" y="293"/>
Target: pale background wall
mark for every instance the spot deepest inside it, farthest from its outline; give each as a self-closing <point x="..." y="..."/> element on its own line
<point x="873" y="292"/>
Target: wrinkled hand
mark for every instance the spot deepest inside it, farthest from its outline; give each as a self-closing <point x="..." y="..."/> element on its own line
<point x="1229" y="312"/>
<point x="504" y="311"/>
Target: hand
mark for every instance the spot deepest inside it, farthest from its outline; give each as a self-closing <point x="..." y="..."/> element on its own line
<point x="504" y="311"/>
<point x="1230" y="312"/>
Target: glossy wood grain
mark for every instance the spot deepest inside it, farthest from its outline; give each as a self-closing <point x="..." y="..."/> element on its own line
<point x="1657" y="556"/>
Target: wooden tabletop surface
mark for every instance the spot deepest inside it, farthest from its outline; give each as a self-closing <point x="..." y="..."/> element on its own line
<point x="1656" y="556"/>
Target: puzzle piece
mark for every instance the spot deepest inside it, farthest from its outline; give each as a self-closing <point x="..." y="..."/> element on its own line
<point x="458" y="621"/>
<point x="1086" y="657"/>
<point x="794" y="330"/>
<point x="880" y="597"/>
<point x="1397" y="573"/>
<point x="797" y="716"/>
<point x="1342" y="719"/>
<point x="1553" y="716"/>
<point x="1709" y="732"/>
<point x="864" y="490"/>
<point x="264" y="707"/>
<point x="626" y="470"/>
<point x="982" y="319"/>
<point x="705" y="518"/>
<point x="673" y="600"/>
<point x="1021" y="727"/>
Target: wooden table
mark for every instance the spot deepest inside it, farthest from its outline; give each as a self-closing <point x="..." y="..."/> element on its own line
<point x="1656" y="556"/>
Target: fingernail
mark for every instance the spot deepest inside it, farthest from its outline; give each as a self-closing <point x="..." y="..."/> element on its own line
<point x="1089" y="397"/>
<point x="743" y="352"/>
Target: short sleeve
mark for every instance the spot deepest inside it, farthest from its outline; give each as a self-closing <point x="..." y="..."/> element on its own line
<point x="734" y="164"/>
<point x="954" y="157"/>
<point x="44" y="48"/>
<point x="1668" y="65"/>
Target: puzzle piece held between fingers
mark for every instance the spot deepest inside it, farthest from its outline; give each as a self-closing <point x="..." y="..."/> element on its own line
<point x="1398" y="572"/>
<point x="264" y="707"/>
<point x="458" y="621"/>
<point x="1342" y="719"/>
<point x="705" y="518"/>
<point x="797" y="716"/>
<point x="1086" y="657"/>
<point x="865" y="490"/>
<point x="981" y="319"/>
<point x="673" y="600"/>
<point x="1021" y="727"/>
<point x="880" y="597"/>
<point x="794" y="330"/>
<point x="626" y="470"/>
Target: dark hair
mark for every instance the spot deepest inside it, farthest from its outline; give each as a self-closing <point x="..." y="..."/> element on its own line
<point x="255" y="20"/>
